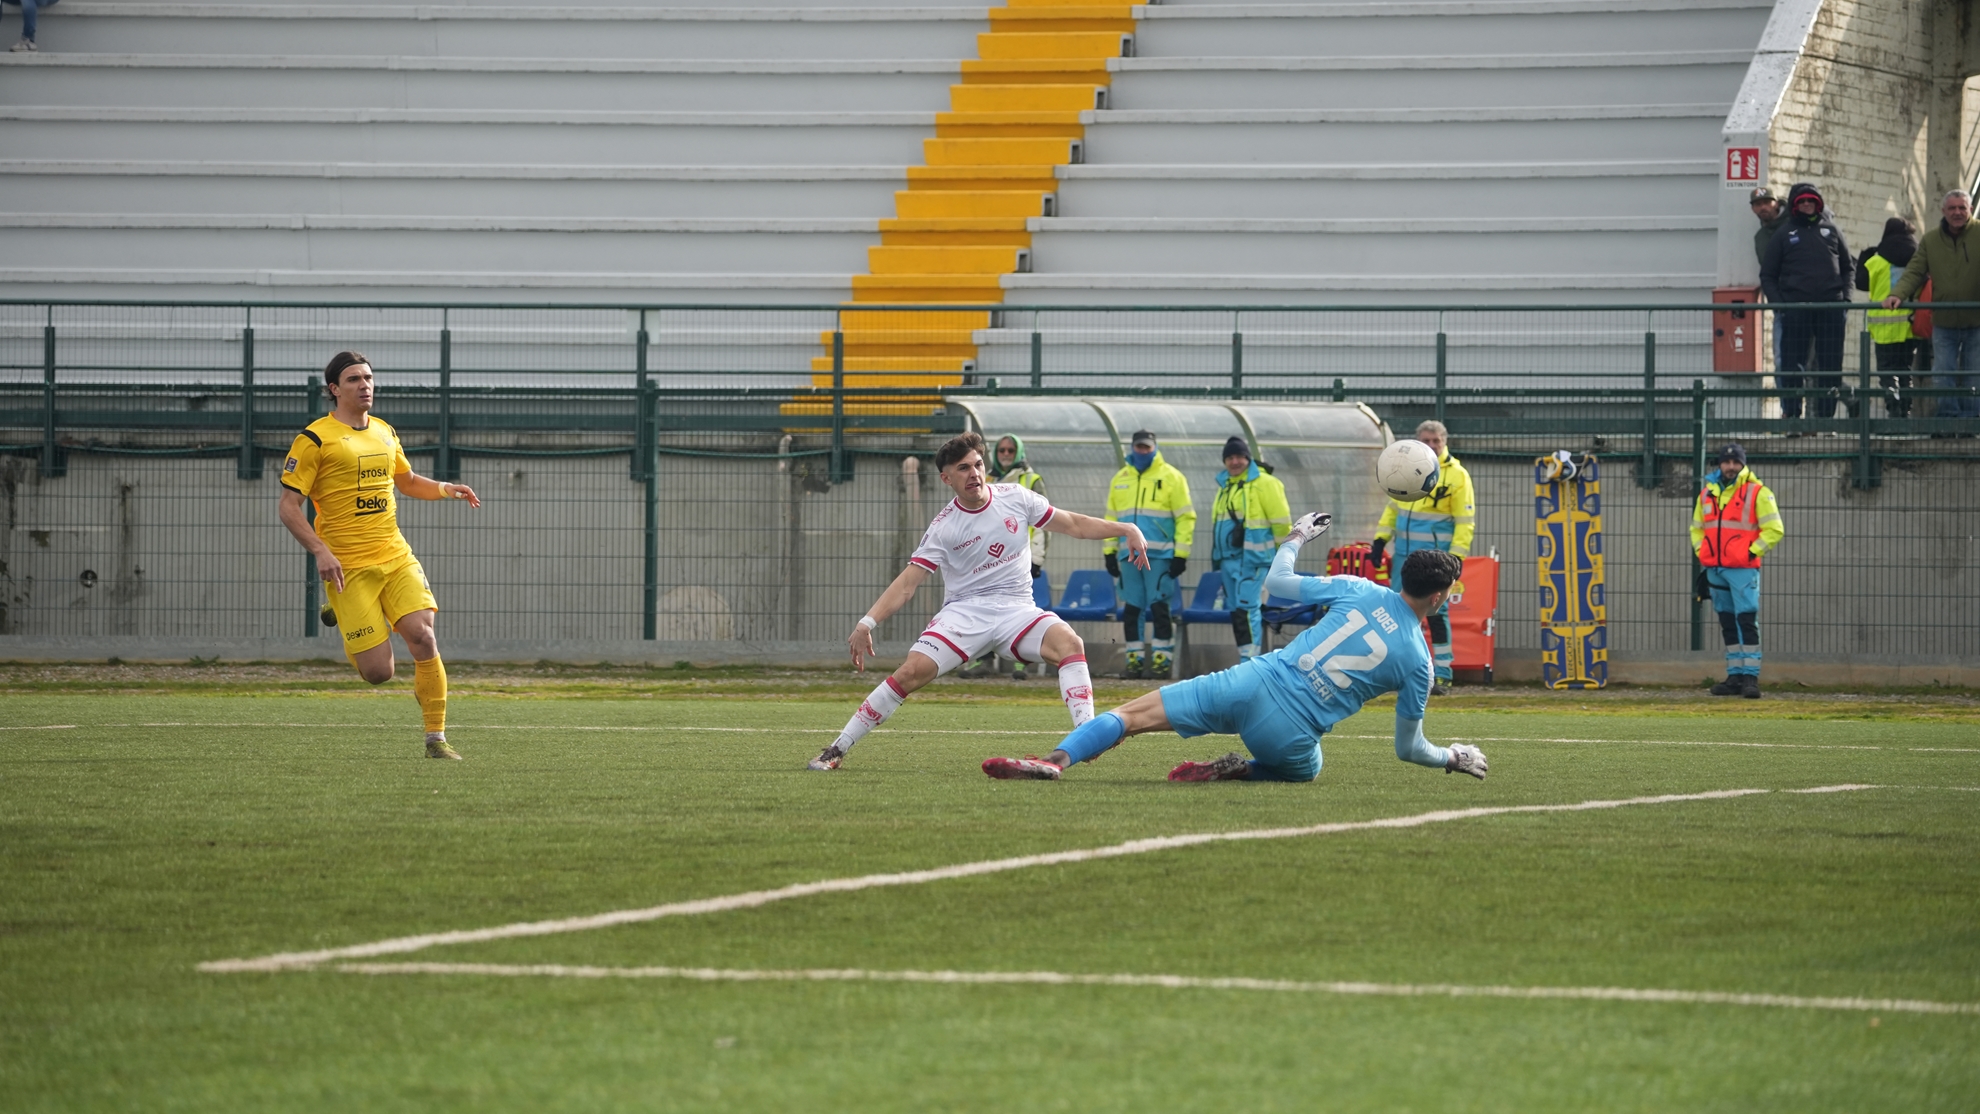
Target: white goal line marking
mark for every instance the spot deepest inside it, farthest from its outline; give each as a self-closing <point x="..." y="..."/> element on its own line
<point x="756" y="898"/>
<point x="1170" y="982"/>
<point x="991" y="734"/>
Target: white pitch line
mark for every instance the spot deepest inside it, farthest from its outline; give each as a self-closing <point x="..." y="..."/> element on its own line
<point x="756" y="898"/>
<point x="1172" y="982"/>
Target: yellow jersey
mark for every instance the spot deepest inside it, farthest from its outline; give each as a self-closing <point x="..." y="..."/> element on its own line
<point x="348" y="474"/>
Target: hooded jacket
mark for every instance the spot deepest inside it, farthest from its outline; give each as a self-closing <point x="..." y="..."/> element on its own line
<point x="1953" y="264"/>
<point x="1806" y="261"/>
<point x="1877" y="272"/>
<point x="1025" y="476"/>
<point x="1254" y="506"/>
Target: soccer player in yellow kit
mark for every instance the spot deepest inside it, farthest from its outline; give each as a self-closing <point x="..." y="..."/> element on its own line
<point x="349" y="464"/>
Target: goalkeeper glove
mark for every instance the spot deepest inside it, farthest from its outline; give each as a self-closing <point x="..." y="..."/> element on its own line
<point x="1309" y="526"/>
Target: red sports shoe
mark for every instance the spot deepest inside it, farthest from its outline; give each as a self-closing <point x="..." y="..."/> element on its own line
<point x="1028" y="768"/>
<point x="1231" y="767"/>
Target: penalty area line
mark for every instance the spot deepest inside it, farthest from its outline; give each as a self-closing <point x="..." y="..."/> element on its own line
<point x="757" y="898"/>
<point x="1173" y="982"/>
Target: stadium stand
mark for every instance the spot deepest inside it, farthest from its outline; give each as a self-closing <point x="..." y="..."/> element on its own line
<point x="1492" y="151"/>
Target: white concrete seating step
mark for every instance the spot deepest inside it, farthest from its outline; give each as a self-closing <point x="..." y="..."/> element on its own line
<point x="535" y="84"/>
<point x="528" y="138"/>
<point x="482" y="31"/>
<point x="458" y="190"/>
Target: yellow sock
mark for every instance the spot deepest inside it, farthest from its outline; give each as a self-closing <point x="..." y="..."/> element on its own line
<point x="430" y="688"/>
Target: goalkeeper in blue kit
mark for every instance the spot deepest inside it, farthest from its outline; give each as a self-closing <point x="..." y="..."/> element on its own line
<point x="1369" y="642"/>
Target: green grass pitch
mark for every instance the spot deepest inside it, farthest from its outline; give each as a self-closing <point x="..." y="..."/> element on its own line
<point x="226" y="826"/>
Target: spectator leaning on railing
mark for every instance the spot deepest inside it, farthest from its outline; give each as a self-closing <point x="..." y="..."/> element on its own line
<point x="1807" y="261"/>
<point x="1952" y="262"/>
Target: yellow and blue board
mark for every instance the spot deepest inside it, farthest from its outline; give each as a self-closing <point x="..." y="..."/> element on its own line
<point x="1574" y="623"/>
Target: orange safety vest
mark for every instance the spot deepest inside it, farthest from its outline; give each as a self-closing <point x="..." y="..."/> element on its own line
<point x="1731" y="528"/>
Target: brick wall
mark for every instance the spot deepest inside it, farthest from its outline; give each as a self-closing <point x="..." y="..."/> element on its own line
<point x="1855" y="117"/>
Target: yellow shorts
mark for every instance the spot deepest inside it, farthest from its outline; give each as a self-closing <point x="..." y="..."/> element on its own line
<point x="374" y="598"/>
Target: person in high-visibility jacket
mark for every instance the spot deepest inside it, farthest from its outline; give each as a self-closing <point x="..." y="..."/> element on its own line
<point x="1734" y="523"/>
<point x="1248" y="521"/>
<point x="1444" y="519"/>
<point x="1899" y="350"/>
<point x="1154" y="496"/>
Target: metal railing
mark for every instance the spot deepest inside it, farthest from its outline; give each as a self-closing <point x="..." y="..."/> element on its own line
<point x="680" y="473"/>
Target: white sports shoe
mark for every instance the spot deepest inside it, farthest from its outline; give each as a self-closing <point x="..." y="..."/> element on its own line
<point x="1466" y="760"/>
<point x="828" y="759"/>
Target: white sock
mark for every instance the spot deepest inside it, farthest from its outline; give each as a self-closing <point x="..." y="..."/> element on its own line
<point x="1076" y="688"/>
<point x="882" y="702"/>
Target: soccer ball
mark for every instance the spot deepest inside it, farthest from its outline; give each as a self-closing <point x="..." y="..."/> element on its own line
<point x="1406" y="470"/>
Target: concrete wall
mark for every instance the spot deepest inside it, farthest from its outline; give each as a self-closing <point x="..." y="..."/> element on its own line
<point x="1857" y="117"/>
<point x="762" y="564"/>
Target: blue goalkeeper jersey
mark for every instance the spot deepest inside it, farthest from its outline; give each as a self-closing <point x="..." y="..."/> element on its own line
<point x="1368" y="643"/>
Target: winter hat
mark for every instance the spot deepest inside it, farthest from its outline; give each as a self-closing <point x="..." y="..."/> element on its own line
<point x="1733" y="451"/>
<point x="1236" y="447"/>
<point x="1805" y="189"/>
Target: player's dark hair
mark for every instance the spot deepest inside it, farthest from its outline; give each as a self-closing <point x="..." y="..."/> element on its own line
<point x="955" y="448"/>
<point x="334" y="370"/>
<point x="1429" y="571"/>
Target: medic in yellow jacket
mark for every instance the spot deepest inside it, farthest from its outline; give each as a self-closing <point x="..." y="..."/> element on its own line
<point x="1444" y="519"/>
<point x="1154" y="496"/>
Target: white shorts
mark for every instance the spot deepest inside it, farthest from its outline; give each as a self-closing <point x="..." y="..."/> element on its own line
<point x="963" y="630"/>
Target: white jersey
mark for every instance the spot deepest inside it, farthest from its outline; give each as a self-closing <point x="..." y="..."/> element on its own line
<point x="986" y="552"/>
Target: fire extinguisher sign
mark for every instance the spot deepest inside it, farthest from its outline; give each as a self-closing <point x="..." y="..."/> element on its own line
<point x="1742" y="167"/>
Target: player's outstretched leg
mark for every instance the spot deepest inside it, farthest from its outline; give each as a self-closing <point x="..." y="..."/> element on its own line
<point x="1231" y="767"/>
<point x="1089" y="740"/>
<point x="881" y="703"/>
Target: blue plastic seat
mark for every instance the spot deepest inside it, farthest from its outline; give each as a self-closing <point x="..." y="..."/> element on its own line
<point x="1041" y="590"/>
<point x="1089" y="596"/>
<point x="1203" y="608"/>
<point x="1280" y="611"/>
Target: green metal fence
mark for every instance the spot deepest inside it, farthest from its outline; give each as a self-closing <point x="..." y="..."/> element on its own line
<point x="681" y="473"/>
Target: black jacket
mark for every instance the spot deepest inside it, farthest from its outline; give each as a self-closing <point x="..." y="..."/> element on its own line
<point x="1807" y="261"/>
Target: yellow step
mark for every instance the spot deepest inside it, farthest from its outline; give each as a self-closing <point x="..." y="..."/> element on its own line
<point x="1062" y="5"/>
<point x="941" y="261"/>
<point x="961" y="238"/>
<point x="1035" y="71"/>
<point x="928" y="290"/>
<point x="968" y="204"/>
<point x="917" y="365"/>
<point x="1023" y="98"/>
<point x="909" y="405"/>
<point x="905" y="342"/>
<point x="924" y="355"/>
<point x="1015" y="125"/>
<point x="913" y="321"/>
<point x="976" y="178"/>
<point x="1052" y="45"/>
<point x="998" y="152"/>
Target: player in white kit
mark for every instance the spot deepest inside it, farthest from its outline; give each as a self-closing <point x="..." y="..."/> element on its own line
<point x="981" y="544"/>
